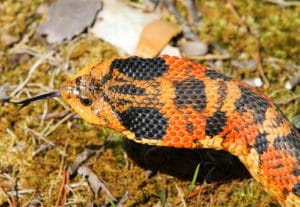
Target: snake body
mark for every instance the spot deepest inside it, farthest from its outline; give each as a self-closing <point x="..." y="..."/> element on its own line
<point x="173" y="102"/>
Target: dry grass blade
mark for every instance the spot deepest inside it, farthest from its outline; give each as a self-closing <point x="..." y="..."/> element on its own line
<point x="209" y="57"/>
<point x="42" y="148"/>
<point x="181" y="196"/>
<point x="42" y="137"/>
<point x="123" y="200"/>
<point x="30" y="73"/>
<point x="61" y="199"/>
<point x="58" y="124"/>
<point x="284" y="3"/>
<point x="8" y="199"/>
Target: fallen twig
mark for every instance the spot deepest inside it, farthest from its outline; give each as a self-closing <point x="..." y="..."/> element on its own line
<point x="195" y="192"/>
<point x="209" y="57"/>
<point x="255" y="35"/>
<point x="284" y="3"/>
<point x="60" y="201"/>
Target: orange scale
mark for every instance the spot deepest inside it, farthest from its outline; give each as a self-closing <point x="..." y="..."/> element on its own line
<point x="231" y="135"/>
<point x="252" y="132"/>
<point x="199" y="131"/>
<point x="174" y="58"/>
<point x="187" y="139"/>
<point x="230" y="108"/>
<point x="175" y="120"/>
<point x="200" y="135"/>
<point x="180" y="113"/>
<point x="172" y="68"/>
<point x="168" y="59"/>
<point x="175" y="115"/>
<point x="190" y="111"/>
<point x="275" y="177"/>
<point x="167" y="138"/>
<point x="242" y="135"/>
<point x="181" y="133"/>
<point x="199" y="128"/>
<point x="188" y="145"/>
<point x="172" y="134"/>
<point x="180" y="122"/>
<point x="185" y="65"/>
<point x="178" y="145"/>
<point x="199" y="74"/>
<point x="176" y="139"/>
<point x="167" y="104"/>
<point x="195" y="115"/>
<point x="173" y="127"/>
<point x="248" y="118"/>
<point x="180" y="61"/>
<point x="177" y="127"/>
<point x="199" y="122"/>
<point x="175" y="65"/>
<point x="172" y="123"/>
<point x="166" y="112"/>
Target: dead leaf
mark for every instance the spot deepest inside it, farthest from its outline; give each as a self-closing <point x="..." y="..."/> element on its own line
<point x="3" y="92"/>
<point x="68" y="18"/>
<point x="79" y="160"/>
<point x="94" y="181"/>
<point x="7" y="39"/>
<point x="155" y="37"/>
<point x="121" y="25"/>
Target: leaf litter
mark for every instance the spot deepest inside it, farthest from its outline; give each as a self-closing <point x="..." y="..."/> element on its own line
<point x="68" y="18"/>
<point x="43" y="171"/>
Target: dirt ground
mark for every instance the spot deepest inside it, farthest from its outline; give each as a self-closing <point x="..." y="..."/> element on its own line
<point x="39" y="141"/>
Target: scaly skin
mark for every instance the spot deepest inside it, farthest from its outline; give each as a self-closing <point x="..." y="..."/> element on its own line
<point x="172" y="102"/>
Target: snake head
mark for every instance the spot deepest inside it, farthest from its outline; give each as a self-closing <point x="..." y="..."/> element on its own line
<point x="85" y="93"/>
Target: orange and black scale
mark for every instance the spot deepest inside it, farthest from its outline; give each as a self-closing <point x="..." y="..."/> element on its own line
<point x="173" y="102"/>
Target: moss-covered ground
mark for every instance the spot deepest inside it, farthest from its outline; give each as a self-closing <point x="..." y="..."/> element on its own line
<point x="248" y="30"/>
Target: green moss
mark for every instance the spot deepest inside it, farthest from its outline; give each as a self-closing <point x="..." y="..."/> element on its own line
<point x="278" y="31"/>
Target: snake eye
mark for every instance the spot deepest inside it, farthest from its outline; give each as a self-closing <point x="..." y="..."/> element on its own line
<point x="86" y="101"/>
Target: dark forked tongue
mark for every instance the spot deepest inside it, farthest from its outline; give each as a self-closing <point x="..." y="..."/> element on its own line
<point x="25" y="102"/>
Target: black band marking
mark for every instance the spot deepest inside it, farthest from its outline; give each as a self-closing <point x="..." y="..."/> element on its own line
<point x="296" y="172"/>
<point x="296" y="189"/>
<point x="288" y="144"/>
<point x="261" y="143"/>
<point x="249" y="101"/>
<point x="78" y="83"/>
<point x="146" y="123"/>
<point x="214" y="75"/>
<point x="127" y="89"/>
<point x="190" y="128"/>
<point x="190" y="92"/>
<point x="215" y="124"/>
<point x="140" y="68"/>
